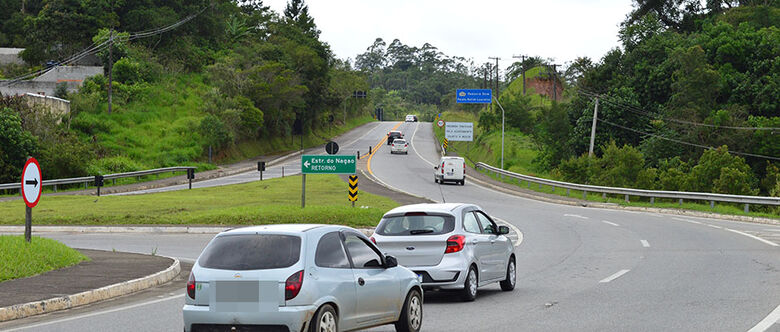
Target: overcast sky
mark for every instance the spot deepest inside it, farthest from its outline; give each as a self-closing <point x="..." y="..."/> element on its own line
<point x="559" y="29"/>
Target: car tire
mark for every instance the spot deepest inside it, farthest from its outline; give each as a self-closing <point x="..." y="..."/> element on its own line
<point x="411" y="314"/>
<point x="508" y="284"/>
<point x="435" y="179"/>
<point x="325" y="319"/>
<point x="463" y="182"/>
<point x="470" y="285"/>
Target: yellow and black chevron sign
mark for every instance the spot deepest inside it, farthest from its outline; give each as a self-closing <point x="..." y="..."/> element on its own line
<point x="446" y="142"/>
<point x="353" y="188"/>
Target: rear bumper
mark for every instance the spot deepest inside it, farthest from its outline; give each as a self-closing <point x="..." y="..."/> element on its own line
<point x="293" y="317"/>
<point x="449" y="178"/>
<point x="450" y="273"/>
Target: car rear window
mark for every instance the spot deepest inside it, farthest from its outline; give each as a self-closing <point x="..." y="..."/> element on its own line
<point x="399" y="141"/>
<point x="251" y="252"/>
<point x="415" y="224"/>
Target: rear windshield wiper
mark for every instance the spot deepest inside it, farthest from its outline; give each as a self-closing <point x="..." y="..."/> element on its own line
<point x="420" y="231"/>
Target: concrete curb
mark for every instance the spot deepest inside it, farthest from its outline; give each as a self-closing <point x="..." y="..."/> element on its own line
<point x="71" y="301"/>
<point x="142" y="229"/>
<point x="689" y="213"/>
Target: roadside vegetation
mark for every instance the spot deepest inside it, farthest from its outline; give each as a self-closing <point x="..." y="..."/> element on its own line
<point x="271" y="201"/>
<point x="19" y="259"/>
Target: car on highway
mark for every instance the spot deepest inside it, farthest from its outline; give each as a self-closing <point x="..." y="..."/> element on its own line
<point x="450" y="169"/>
<point x="393" y="135"/>
<point x="299" y="278"/>
<point x="399" y="146"/>
<point x="452" y="246"/>
<point x="411" y="118"/>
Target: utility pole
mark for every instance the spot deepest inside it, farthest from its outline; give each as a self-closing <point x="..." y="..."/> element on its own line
<point x="496" y="58"/>
<point x="593" y="127"/>
<point x="522" y="68"/>
<point x="555" y="82"/>
<point x="110" y="60"/>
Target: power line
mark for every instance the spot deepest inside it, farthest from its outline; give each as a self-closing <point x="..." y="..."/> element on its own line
<point x="683" y="142"/>
<point x="636" y="110"/>
<point x="92" y="49"/>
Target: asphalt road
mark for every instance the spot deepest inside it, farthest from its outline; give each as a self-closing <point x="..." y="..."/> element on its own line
<point x="579" y="269"/>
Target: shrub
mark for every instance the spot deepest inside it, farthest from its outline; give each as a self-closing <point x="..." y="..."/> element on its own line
<point x="116" y="164"/>
<point x="16" y="145"/>
<point x="710" y="168"/>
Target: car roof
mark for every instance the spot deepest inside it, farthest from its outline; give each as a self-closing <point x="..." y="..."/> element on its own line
<point x="277" y="228"/>
<point x="447" y="208"/>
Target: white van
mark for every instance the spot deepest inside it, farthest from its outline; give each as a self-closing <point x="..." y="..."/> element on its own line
<point x="450" y="169"/>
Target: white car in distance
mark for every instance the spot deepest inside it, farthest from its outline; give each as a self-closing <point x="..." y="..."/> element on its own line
<point x="399" y="145"/>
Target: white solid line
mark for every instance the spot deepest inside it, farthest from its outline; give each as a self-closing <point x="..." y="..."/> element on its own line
<point x="767" y="322"/>
<point x="614" y="276"/>
<point x="610" y="223"/>
<point x="687" y="220"/>
<point x="97" y="313"/>
<point x="414" y="146"/>
<point x="645" y="243"/>
<point x="752" y="236"/>
<point x="575" y="216"/>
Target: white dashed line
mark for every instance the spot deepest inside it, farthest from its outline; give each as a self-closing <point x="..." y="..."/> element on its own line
<point x="645" y="243"/>
<point x="752" y="236"/>
<point x="575" y="216"/>
<point x="687" y="220"/>
<point x="713" y="226"/>
<point x="611" y="223"/>
<point x="767" y="322"/>
<point x="614" y="276"/>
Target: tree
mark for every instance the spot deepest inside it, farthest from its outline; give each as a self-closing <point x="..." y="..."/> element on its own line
<point x="16" y="145"/>
<point x="297" y="12"/>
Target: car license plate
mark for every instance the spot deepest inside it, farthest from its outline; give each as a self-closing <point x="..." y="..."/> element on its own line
<point x="450" y="173"/>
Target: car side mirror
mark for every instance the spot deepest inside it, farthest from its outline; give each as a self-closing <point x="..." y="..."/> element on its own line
<point x="390" y="261"/>
<point x="503" y="230"/>
<point x="435" y="167"/>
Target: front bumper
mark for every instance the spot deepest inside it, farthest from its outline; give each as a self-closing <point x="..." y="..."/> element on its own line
<point x="293" y="317"/>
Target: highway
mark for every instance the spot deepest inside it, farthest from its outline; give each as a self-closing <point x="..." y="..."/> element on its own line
<point x="579" y="269"/>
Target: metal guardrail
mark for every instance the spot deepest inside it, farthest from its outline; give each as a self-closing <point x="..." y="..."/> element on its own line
<point x="652" y="194"/>
<point x="87" y="179"/>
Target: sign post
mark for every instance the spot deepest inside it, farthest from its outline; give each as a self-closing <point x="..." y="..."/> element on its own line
<point x="330" y="164"/>
<point x="31" y="192"/>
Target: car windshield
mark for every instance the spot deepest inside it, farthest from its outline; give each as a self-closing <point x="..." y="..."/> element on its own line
<point x="251" y="252"/>
<point x="415" y="224"/>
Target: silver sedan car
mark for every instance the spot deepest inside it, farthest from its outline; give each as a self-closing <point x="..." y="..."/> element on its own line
<point x="299" y="278"/>
<point x="451" y="246"/>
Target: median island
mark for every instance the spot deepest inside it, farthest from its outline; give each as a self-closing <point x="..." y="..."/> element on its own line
<point x="19" y="259"/>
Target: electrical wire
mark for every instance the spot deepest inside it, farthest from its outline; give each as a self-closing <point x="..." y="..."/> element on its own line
<point x="92" y="49"/>
<point x="682" y="142"/>
<point x="636" y="110"/>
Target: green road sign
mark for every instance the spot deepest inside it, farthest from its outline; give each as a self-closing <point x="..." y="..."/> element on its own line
<point x="333" y="164"/>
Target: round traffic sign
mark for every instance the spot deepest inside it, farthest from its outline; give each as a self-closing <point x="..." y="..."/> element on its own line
<point x="440" y="123"/>
<point x="31" y="182"/>
<point x="332" y="148"/>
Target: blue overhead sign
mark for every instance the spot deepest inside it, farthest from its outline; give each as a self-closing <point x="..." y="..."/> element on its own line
<point x="473" y="96"/>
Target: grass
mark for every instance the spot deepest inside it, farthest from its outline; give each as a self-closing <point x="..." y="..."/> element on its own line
<point x="268" y="202"/>
<point x="19" y="259"/>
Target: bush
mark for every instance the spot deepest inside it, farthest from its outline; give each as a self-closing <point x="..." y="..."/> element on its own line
<point x="16" y="145"/>
<point x="66" y="157"/>
<point x="734" y="181"/>
<point x="710" y="168"/>
<point x="117" y="164"/>
<point x="577" y="170"/>
<point x="618" y="167"/>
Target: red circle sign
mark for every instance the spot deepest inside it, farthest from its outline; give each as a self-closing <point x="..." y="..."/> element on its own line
<point x="31" y="182"/>
<point x="440" y="123"/>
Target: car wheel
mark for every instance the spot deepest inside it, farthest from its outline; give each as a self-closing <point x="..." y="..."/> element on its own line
<point x="470" y="286"/>
<point x="508" y="284"/>
<point x="463" y="182"/>
<point x="412" y="313"/>
<point x="435" y="179"/>
<point x="325" y="320"/>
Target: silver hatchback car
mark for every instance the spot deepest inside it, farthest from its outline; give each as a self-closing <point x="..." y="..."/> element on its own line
<point x="451" y="246"/>
<point x="299" y="278"/>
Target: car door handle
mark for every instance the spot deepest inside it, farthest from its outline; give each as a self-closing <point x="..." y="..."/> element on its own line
<point x="492" y="241"/>
<point x="474" y="242"/>
<point x="361" y="282"/>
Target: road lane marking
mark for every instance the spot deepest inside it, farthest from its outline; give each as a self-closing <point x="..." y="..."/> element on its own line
<point x="98" y="313"/>
<point x="645" y="243"/>
<point x="687" y="220"/>
<point x="575" y="216"/>
<point x="610" y="223"/>
<point x="614" y="276"/>
<point x="713" y="226"/>
<point x="752" y="236"/>
<point x="414" y="146"/>
<point x="376" y="147"/>
<point x="767" y="322"/>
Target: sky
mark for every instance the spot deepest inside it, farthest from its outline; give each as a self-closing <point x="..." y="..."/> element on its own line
<point x="558" y="29"/>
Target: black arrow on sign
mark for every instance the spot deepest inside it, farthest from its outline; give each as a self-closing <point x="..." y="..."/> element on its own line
<point x="33" y="182"/>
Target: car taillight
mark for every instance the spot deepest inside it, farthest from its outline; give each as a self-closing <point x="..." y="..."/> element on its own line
<point x="372" y="239"/>
<point x="455" y="243"/>
<point x="464" y="167"/>
<point x="442" y="168"/>
<point x="406" y="145"/>
<point x="191" y="286"/>
<point x="293" y="285"/>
